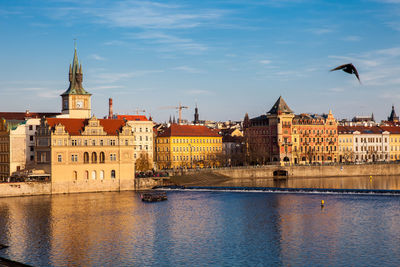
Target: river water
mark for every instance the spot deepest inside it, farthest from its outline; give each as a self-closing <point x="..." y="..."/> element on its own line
<point x="202" y="228"/>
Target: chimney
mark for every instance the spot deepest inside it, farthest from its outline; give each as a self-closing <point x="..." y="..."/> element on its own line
<point x="110" y="108"/>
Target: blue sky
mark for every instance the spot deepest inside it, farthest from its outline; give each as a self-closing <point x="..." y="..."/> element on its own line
<point x="231" y="57"/>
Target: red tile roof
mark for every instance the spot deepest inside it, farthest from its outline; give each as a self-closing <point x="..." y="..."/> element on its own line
<point x="361" y="129"/>
<point x="23" y="115"/>
<point x="391" y="129"/>
<point x="188" y="130"/>
<point x="132" y="117"/>
<point x="76" y="126"/>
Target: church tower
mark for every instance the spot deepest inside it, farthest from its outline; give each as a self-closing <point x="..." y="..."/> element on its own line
<point x="76" y="101"/>
<point x="196" y="115"/>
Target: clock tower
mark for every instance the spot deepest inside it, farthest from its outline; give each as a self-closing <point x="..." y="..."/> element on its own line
<point x="76" y="101"/>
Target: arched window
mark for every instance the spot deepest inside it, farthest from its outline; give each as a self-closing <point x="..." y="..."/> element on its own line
<point x="86" y="157"/>
<point x="113" y="174"/>
<point x="101" y="175"/>
<point x="94" y="175"/>
<point x="102" y="157"/>
<point x="87" y="175"/>
<point x="75" y="175"/>
<point x="94" y="157"/>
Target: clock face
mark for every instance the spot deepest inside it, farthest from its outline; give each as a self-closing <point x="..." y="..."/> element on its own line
<point x="79" y="104"/>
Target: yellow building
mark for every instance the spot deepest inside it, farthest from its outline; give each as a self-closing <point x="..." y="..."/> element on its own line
<point x="394" y="141"/>
<point x="188" y="146"/>
<point x="345" y="144"/>
<point x="84" y="155"/>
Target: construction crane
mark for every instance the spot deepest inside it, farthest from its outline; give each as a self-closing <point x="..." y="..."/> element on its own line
<point x="179" y="108"/>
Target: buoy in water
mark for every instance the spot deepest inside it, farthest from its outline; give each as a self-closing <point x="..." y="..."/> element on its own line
<point x="370" y="177"/>
<point x="322" y="203"/>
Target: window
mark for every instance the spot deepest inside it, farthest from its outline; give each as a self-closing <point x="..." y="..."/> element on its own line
<point x="31" y="148"/>
<point x="30" y="127"/>
<point x="94" y="157"/>
<point x="59" y="158"/>
<point x="126" y="142"/>
<point x="101" y="142"/>
<point x="94" y="175"/>
<point x="32" y="158"/>
<point x="113" y="174"/>
<point x="102" y="157"/>
<point x="112" y="142"/>
<point x="85" y="142"/>
<point x="101" y="175"/>
<point x="75" y="175"/>
<point x="86" y="157"/>
<point x="31" y="138"/>
<point x="93" y="142"/>
<point x="113" y="157"/>
<point x="73" y="142"/>
<point x="74" y="157"/>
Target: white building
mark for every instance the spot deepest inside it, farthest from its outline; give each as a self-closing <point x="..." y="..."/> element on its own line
<point x="370" y="144"/>
<point x="143" y="133"/>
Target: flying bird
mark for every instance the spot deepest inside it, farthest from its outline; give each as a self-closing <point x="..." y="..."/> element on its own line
<point x="349" y="68"/>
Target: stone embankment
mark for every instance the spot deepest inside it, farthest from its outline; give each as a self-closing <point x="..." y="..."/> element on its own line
<point x="46" y="188"/>
<point x="210" y="177"/>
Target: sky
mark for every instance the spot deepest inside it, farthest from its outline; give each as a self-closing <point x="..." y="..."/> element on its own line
<point x="228" y="56"/>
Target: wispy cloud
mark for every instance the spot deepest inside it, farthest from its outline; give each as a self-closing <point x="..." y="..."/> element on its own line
<point x="96" y="57"/>
<point x="115" y="77"/>
<point x="188" y="69"/>
<point x="173" y="42"/>
<point x="114" y="43"/>
<point x="106" y="87"/>
<point x="320" y="31"/>
<point x="352" y="38"/>
<point x="265" y="61"/>
<point x="142" y="15"/>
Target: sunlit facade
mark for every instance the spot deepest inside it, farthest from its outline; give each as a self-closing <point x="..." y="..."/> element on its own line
<point x="188" y="146"/>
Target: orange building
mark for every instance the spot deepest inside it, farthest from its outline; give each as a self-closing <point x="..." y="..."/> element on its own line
<point x="281" y="136"/>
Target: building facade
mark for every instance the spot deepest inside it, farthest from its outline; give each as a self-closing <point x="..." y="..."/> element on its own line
<point x="188" y="146"/>
<point x="86" y="154"/>
<point x="282" y="137"/>
<point x="144" y="139"/>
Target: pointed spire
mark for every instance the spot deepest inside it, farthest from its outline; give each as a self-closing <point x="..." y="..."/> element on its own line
<point x="372" y="117"/>
<point x="393" y="116"/>
<point x="246" y="121"/>
<point x="279" y="107"/>
<point x="75" y="77"/>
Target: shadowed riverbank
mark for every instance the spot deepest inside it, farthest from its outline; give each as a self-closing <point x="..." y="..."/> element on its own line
<point x="389" y="182"/>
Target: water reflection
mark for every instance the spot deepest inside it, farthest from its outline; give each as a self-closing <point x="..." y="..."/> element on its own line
<point x="354" y="182"/>
<point x="201" y="229"/>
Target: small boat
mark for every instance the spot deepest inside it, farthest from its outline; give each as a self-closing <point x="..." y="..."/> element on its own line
<point x="153" y="196"/>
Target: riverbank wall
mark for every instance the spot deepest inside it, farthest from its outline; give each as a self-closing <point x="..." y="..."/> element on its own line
<point x="25" y="189"/>
<point x="18" y="189"/>
<point x="298" y="171"/>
